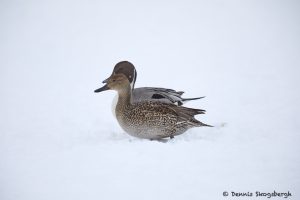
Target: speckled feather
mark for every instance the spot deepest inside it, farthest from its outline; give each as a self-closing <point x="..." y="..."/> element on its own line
<point x="155" y="120"/>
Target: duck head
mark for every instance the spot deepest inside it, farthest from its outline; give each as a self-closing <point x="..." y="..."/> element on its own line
<point x="127" y="69"/>
<point x="116" y="82"/>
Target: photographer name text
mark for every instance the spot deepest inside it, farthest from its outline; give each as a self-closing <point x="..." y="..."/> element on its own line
<point x="258" y="194"/>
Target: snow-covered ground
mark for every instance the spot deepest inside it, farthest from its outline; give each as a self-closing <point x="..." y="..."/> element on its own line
<point x="59" y="140"/>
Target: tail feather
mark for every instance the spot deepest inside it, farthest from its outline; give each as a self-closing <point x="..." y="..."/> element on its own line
<point x="187" y="116"/>
<point x="191" y="99"/>
<point x="190" y="111"/>
<point x="195" y="111"/>
<point x="184" y="100"/>
<point x="202" y="124"/>
<point x="197" y="123"/>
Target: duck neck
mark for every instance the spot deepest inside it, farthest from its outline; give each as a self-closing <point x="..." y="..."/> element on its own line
<point x="124" y="98"/>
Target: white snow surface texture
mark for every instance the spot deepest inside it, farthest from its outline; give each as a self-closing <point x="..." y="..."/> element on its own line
<point x="59" y="140"/>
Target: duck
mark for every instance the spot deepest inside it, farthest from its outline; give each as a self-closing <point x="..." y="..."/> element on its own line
<point x="146" y="93"/>
<point x="148" y="119"/>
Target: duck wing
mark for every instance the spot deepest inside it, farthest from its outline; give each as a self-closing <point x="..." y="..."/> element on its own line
<point x="186" y="116"/>
<point x="164" y="95"/>
<point x="164" y="113"/>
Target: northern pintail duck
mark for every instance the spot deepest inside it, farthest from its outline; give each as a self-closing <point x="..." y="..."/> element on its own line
<point x="149" y="119"/>
<point x="148" y="93"/>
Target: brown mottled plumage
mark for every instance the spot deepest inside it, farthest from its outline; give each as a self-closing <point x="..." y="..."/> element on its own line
<point x="148" y="119"/>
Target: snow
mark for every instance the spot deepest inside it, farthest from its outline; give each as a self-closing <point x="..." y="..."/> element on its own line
<point x="59" y="140"/>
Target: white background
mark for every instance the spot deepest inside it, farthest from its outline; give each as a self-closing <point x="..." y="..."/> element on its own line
<point x="59" y="140"/>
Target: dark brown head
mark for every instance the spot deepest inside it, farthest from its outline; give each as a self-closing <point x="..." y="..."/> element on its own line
<point x="128" y="70"/>
<point x="116" y="82"/>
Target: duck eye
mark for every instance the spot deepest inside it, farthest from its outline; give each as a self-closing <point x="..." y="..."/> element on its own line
<point x="113" y="80"/>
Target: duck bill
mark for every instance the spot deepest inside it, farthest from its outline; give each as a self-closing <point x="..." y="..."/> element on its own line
<point x="105" y="87"/>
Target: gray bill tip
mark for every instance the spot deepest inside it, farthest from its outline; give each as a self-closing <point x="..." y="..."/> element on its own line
<point x="105" y="87"/>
